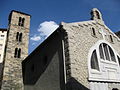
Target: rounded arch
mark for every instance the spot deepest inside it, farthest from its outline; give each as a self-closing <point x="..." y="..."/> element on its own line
<point x="105" y="66"/>
<point x="97" y="47"/>
<point x="95" y="14"/>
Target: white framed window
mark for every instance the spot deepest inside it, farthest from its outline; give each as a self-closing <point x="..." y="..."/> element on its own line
<point x="94" y="61"/>
<point x="104" y="62"/>
<point x="118" y="59"/>
<point x="106" y="52"/>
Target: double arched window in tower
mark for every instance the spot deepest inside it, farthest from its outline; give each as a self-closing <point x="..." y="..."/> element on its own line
<point x="105" y="53"/>
<point x="19" y="37"/>
<point x="21" y="21"/>
<point x="17" y="53"/>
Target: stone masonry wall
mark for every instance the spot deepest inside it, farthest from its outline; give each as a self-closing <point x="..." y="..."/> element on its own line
<point x="80" y="40"/>
<point x="12" y="75"/>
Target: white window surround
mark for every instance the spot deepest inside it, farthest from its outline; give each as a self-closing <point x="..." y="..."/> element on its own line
<point x="118" y="56"/>
<point x="104" y="65"/>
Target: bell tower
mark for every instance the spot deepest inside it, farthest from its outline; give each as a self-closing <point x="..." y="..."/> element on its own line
<point x="95" y="14"/>
<point x="16" y="50"/>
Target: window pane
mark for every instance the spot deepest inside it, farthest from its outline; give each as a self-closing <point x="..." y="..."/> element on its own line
<point x="106" y="51"/>
<point x="118" y="60"/>
<point x="101" y="52"/>
<point x="112" y="55"/>
<point x="94" y="61"/>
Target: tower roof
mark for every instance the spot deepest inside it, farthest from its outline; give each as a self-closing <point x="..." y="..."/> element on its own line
<point x="20" y="12"/>
<point x="3" y="29"/>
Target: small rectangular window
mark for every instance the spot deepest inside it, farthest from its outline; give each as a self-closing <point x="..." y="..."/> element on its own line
<point x="111" y="39"/>
<point x="2" y="35"/>
<point x="93" y="32"/>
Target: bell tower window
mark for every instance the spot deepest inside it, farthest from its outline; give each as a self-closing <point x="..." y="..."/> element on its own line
<point x="21" y="21"/>
<point x="97" y="14"/>
<point x="17" y="36"/>
<point x="17" y="53"/>
<point x="20" y="37"/>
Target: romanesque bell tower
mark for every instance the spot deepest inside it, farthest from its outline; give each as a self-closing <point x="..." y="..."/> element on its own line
<point x="16" y="50"/>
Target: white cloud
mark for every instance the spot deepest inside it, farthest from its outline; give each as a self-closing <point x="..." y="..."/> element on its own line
<point x="35" y="38"/>
<point x="47" y="27"/>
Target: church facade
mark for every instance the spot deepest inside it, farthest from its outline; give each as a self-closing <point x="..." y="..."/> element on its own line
<point x="77" y="56"/>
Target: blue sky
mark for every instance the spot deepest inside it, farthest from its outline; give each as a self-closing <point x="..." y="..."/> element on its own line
<point x="46" y="14"/>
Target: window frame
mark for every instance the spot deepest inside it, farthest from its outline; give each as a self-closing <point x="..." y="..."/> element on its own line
<point x="94" y="69"/>
<point x="109" y="54"/>
<point x="93" y="32"/>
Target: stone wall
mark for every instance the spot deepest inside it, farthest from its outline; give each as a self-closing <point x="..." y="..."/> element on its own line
<point x="80" y="39"/>
<point x="12" y="74"/>
<point x="43" y="69"/>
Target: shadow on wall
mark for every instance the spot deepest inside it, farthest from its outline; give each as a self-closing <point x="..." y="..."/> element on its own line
<point x="73" y="84"/>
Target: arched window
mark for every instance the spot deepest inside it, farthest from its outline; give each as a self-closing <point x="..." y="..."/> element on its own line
<point x="93" y="32"/>
<point x="118" y="60"/>
<point x="105" y="47"/>
<point x="19" y="53"/>
<point x="23" y="20"/>
<point x="17" y="36"/>
<point x="106" y="52"/>
<point x="112" y="55"/>
<point x="94" y="61"/>
<point x="20" y="20"/>
<point x="20" y="37"/>
<point x="101" y="52"/>
<point x="111" y="38"/>
<point x="16" y="52"/>
<point x="97" y="14"/>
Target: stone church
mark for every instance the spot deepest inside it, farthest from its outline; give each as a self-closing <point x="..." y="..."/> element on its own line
<point x="76" y="56"/>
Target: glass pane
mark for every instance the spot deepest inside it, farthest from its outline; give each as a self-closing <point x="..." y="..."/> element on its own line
<point x="118" y="60"/>
<point x="101" y="52"/>
<point x="112" y="55"/>
<point x="94" y="61"/>
<point x="106" y="51"/>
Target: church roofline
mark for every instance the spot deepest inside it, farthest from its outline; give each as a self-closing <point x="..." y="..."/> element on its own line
<point x="42" y="44"/>
<point x="20" y="12"/>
